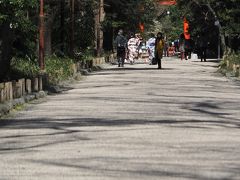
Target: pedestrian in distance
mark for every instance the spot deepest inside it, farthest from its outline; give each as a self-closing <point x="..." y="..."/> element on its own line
<point x="121" y="46"/>
<point x="159" y="46"/>
<point x="182" y="46"/>
<point x="176" y="45"/>
<point x="139" y="43"/>
<point x="203" y="43"/>
<point x="171" y="49"/>
<point x="132" y="48"/>
<point x="166" y="52"/>
<point x="187" y="49"/>
<point x="197" y="46"/>
<point x="151" y="49"/>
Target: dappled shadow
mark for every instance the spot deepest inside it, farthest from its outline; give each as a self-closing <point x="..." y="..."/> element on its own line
<point x="72" y="128"/>
<point x="206" y="65"/>
<point x="138" y="170"/>
<point x="126" y="70"/>
<point x="135" y="69"/>
<point x="208" y="60"/>
<point x="64" y="124"/>
<point x="105" y="164"/>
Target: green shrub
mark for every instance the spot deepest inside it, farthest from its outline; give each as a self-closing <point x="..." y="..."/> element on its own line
<point x="233" y="58"/>
<point x="58" y="69"/>
<point x="24" y="68"/>
<point x="84" y="55"/>
<point x="226" y="66"/>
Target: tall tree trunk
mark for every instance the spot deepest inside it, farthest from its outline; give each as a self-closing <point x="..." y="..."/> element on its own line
<point x="99" y="18"/>
<point x="6" y="40"/>
<point x="48" y="26"/>
<point x="221" y="33"/>
<point x="96" y="19"/>
<point x="41" y="36"/>
<point x="62" y="24"/>
<point x="48" y="34"/>
<point x="72" y="11"/>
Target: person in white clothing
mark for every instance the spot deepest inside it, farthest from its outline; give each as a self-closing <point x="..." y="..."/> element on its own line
<point x="151" y="48"/>
<point x="132" y="49"/>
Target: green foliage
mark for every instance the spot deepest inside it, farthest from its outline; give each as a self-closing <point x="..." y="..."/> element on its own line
<point x="16" y="14"/>
<point x="204" y="13"/>
<point x="14" y="11"/>
<point x="230" y="63"/>
<point x="172" y="24"/>
<point x="234" y="58"/>
<point x="85" y="25"/>
<point x="58" y="69"/>
<point x="19" y="16"/>
<point x="24" y="67"/>
<point x="128" y="14"/>
<point x="87" y="55"/>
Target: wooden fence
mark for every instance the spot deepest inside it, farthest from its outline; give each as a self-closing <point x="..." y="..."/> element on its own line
<point x="19" y="88"/>
<point x="22" y="87"/>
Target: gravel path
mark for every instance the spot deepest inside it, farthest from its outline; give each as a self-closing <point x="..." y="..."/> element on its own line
<point x="136" y="122"/>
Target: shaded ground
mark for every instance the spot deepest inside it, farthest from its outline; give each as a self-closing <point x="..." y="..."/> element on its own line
<point x="137" y="122"/>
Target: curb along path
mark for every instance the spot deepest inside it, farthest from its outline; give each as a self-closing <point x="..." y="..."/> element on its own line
<point x="136" y="122"/>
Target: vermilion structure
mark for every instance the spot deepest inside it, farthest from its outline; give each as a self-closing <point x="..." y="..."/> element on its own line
<point x="167" y="2"/>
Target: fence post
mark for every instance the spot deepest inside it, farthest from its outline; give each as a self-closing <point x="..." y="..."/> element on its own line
<point x="40" y="83"/>
<point x="35" y="84"/>
<point x="28" y="86"/>
<point x="1" y="92"/>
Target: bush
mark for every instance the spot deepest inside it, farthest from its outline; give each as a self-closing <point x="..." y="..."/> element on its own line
<point x="24" y="68"/>
<point x="58" y="69"/>
<point x="230" y="63"/>
<point x="84" y="55"/>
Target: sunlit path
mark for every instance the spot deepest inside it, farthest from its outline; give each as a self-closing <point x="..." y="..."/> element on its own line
<point x="136" y="122"/>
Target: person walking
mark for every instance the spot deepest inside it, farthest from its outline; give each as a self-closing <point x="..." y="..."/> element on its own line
<point x="171" y="49"/>
<point x="187" y="49"/>
<point x="132" y="48"/>
<point x="203" y="43"/>
<point x="165" y="49"/>
<point x="182" y="46"/>
<point x="121" y="45"/>
<point x="159" y="46"/>
<point x="151" y="48"/>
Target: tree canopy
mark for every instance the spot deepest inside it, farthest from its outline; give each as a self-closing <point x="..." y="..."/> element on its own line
<point x="71" y="24"/>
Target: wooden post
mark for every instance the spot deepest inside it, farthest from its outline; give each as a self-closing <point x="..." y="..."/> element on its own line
<point x="40" y="83"/>
<point x="35" y="84"/>
<point x="41" y="36"/>
<point x="72" y="10"/>
<point x="28" y="86"/>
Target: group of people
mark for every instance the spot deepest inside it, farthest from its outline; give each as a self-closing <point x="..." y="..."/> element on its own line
<point x="130" y="48"/>
<point x="127" y="49"/>
<point x="187" y="46"/>
<point x="157" y="48"/>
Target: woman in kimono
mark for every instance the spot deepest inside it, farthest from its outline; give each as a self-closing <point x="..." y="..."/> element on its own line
<point x="132" y="49"/>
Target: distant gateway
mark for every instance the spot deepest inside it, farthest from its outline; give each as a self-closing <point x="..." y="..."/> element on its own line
<point x="167" y="2"/>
